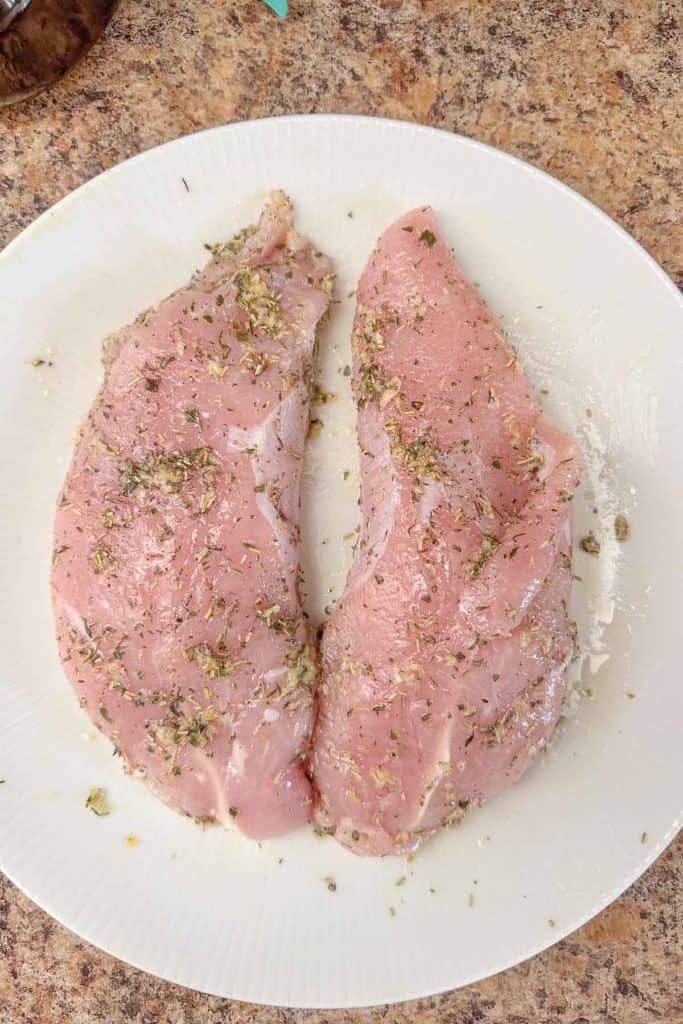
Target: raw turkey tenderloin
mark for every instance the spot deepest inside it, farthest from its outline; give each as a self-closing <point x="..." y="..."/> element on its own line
<point x="444" y="662"/>
<point x="176" y="558"/>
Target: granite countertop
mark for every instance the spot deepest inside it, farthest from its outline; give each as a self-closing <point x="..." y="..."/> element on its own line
<point x="584" y="89"/>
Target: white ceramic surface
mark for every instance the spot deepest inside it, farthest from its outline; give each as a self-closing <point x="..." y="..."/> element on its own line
<point x="599" y="326"/>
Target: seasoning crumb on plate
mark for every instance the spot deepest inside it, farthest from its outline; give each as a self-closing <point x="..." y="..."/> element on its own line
<point x="590" y="544"/>
<point x="331" y="884"/>
<point x="131" y="842"/>
<point x="622" y="530"/>
<point x="97" y="802"/>
<point x="320" y="396"/>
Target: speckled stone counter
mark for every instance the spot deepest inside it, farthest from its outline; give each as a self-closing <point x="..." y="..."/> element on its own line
<point x="582" y="88"/>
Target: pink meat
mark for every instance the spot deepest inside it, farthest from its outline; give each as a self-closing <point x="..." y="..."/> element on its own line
<point x="444" y="662"/>
<point x="176" y="561"/>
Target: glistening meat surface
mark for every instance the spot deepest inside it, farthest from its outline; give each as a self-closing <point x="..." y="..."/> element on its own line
<point x="444" y="662"/>
<point x="176" y="561"/>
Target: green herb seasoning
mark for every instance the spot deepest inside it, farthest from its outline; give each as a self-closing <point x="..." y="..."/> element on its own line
<point x="179" y="730"/>
<point x="166" y="473"/>
<point x="302" y="671"/>
<point x="256" y="297"/>
<point x="375" y="387"/>
<point x="487" y="548"/>
<point x="235" y="245"/>
<point x="215" y="664"/>
<point x="421" y="456"/>
<point x="101" y="559"/>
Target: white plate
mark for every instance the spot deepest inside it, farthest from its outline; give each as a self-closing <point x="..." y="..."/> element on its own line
<point x="599" y="324"/>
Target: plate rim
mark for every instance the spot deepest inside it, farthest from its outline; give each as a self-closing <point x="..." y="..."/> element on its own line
<point x="366" y="119"/>
<point x="235" y="127"/>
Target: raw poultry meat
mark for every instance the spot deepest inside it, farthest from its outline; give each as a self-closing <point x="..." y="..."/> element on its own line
<point x="444" y="662"/>
<point x="176" y="557"/>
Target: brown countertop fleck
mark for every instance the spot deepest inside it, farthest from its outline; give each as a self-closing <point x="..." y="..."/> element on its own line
<point x="584" y="89"/>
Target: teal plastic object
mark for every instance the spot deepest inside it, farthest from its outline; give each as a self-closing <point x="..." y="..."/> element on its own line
<point x="279" y="6"/>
